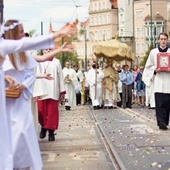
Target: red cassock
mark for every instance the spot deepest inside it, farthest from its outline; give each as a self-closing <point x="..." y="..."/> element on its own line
<point x="48" y="114"/>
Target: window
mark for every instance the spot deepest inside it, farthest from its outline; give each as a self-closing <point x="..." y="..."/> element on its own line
<point x="137" y="48"/>
<point x="92" y="21"/>
<point x="108" y="18"/>
<point x="121" y="19"/>
<point x="96" y="35"/>
<point x="143" y="48"/>
<point x="108" y="34"/>
<point x="104" y="35"/>
<point x="104" y="19"/>
<point x="138" y="32"/>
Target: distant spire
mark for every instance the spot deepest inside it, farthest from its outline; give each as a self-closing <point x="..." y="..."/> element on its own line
<point x="50" y="27"/>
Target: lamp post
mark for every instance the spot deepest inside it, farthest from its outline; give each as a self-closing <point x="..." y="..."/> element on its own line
<point x="1" y="11"/>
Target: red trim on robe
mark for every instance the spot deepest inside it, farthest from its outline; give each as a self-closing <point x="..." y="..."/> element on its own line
<point x="63" y="92"/>
<point x="48" y="113"/>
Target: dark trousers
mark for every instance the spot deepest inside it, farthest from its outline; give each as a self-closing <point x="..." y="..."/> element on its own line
<point x="126" y="90"/>
<point x="119" y="104"/>
<point x="162" y="103"/>
<point x="78" y="98"/>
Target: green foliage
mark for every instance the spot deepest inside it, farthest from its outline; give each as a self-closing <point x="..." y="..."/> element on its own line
<point x="143" y="62"/>
<point x="72" y="57"/>
<point x="32" y="32"/>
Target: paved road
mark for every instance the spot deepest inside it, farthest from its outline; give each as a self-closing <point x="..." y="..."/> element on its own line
<point x="88" y="139"/>
<point x="78" y="144"/>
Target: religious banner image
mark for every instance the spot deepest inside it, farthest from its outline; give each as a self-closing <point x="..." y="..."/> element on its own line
<point x="163" y="61"/>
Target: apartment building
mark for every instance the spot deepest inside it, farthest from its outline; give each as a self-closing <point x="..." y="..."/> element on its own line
<point x="102" y="25"/>
<point x="150" y="18"/>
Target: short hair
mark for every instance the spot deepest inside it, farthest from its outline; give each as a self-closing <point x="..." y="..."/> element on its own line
<point x="125" y="65"/>
<point x="26" y="34"/>
<point x="163" y="33"/>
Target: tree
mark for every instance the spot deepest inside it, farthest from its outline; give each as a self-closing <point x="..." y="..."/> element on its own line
<point x="72" y="57"/>
<point x="143" y="62"/>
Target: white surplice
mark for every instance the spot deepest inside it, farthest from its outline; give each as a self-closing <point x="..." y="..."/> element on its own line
<point x="6" y="47"/>
<point x="78" y="85"/>
<point x="51" y="89"/>
<point x="70" y="86"/>
<point x="162" y="79"/>
<point x="95" y="93"/>
<point x="25" y="148"/>
<point x="148" y="79"/>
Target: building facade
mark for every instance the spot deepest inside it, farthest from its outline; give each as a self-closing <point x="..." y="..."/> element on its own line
<point x="149" y="21"/>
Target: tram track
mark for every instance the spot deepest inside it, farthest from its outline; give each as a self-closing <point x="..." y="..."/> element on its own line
<point x="115" y="159"/>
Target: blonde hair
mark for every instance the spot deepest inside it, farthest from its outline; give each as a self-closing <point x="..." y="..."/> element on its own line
<point x="13" y="34"/>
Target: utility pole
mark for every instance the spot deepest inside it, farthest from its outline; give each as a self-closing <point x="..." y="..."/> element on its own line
<point x="85" y="45"/>
<point x="1" y="11"/>
<point x="63" y="59"/>
<point x="41" y="34"/>
<point x="151" y="22"/>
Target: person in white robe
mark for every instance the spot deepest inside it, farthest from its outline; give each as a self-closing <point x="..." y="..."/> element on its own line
<point x="39" y="87"/>
<point x="161" y="83"/>
<point x="10" y="46"/>
<point x="148" y="79"/>
<point x="119" y="70"/>
<point x="94" y="78"/>
<point x="110" y="86"/>
<point x="25" y="146"/>
<point x="6" y="47"/>
<point x="70" y="80"/>
<point x="48" y="104"/>
<point x="78" y="85"/>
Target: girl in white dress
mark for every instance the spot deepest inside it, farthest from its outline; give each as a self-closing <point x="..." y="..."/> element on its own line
<point x="6" y="47"/>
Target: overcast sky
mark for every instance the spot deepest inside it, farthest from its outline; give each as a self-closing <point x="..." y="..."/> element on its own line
<point x="33" y="12"/>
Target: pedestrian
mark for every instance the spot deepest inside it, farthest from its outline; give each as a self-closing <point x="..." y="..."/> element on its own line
<point x="78" y="85"/>
<point x="94" y="78"/>
<point x="87" y="87"/>
<point x="48" y="104"/>
<point x="140" y="91"/>
<point x="9" y="47"/>
<point x="110" y="86"/>
<point x="70" y="80"/>
<point x="39" y="87"/>
<point x="126" y="77"/>
<point x="161" y="82"/>
<point x="135" y="71"/>
<point x="119" y="70"/>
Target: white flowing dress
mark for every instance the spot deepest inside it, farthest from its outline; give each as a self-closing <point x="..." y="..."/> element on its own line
<point x="6" y="47"/>
<point x="25" y="147"/>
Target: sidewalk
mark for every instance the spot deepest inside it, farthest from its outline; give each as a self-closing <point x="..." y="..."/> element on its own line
<point x="132" y="136"/>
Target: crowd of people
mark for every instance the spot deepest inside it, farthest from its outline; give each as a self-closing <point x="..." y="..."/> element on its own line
<point x="45" y="85"/>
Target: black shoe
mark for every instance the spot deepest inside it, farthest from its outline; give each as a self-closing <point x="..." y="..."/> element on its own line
<point x="162" y="126"/>
<point x="129" y="107"/>
<point x="67" y="107"/>
<point x="51" y="137"/>
<point x="110" y="107"/>
<point x="43" y="133"/>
